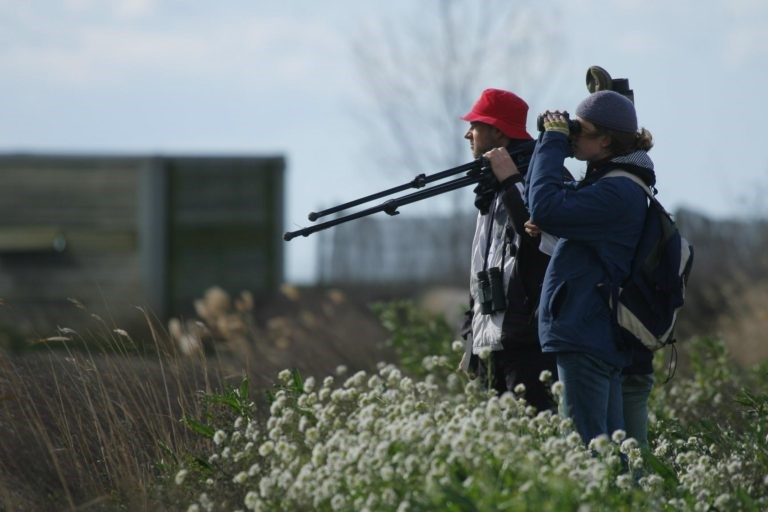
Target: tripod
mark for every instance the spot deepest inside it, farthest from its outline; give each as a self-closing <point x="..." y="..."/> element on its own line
<point x="476" y="171"/>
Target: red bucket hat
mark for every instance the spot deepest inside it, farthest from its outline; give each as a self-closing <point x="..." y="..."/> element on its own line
<point x="502" y="109"/>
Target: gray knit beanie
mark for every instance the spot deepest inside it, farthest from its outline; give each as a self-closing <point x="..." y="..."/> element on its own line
<point x="609" y="109"/>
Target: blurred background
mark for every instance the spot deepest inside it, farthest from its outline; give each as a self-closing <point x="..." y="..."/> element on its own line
<point x="152" y="149"/>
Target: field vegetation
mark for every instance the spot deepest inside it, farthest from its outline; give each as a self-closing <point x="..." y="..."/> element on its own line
<point x="232" y="412"/>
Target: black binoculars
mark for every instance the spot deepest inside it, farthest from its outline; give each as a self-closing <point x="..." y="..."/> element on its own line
<point x="490" y="285"/>
<point x="573" y="125"/>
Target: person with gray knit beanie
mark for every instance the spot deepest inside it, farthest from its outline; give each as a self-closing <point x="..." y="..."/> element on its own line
<point x="610" y="110"/>
<point x="598" y="221"/>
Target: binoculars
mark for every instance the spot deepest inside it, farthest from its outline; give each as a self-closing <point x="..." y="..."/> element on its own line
<point x="573" y="125"/>
<point x="490" y="286"/>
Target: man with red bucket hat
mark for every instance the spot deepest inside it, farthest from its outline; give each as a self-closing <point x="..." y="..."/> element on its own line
<point x="507" y="265"/>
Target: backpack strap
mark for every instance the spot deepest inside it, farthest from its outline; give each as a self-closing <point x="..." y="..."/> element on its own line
<point x="624" y="174"/>
<point x="614" y="288"/>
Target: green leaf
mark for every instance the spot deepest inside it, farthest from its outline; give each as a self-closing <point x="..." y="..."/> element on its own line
<point x="244" y="389"/>
<point x="298" y="382"/>
<point x="661" y="469"/>
<point x="199" y="427"/>
<point x="167" y="450"/>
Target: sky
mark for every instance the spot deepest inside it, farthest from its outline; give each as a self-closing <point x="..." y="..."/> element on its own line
<point x="277" y="78"/>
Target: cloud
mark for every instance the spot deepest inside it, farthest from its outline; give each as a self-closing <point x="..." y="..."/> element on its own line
<point x="273" y="51"/>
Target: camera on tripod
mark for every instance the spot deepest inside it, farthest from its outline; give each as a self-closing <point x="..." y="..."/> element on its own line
<point x="490" y="286"/>
<point x="598" y="79"/>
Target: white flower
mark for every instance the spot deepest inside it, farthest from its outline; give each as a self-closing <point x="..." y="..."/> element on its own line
<point x="484" y="353"/>
<point x="628" y="444"/>
<point x="205" y="502"/>
<point x="219" y="437"/>
<point x="251" y="500"/>
<point x="520" y="389"/>
<point x="240" y="478"/>
<point x="312" y="435"/>
<point x="180" y="476"/>
<point x="557" y="388"/>
<point x="309" y="384"/>
<point x="457" y="346"/>
<point x="545" y="376"/>
<point x="624" y="481"/>
<point x="341" y="369"/>
<point x="265" y="486"/>
<point x="193" y="508"/>
<point x="734" y="466"/>
<point x="338" y="502"/>
<point x="618" y="436"/>
<point x="574" y="439"/>
<point x="284" y="376"/>
<point x="599" y="443"/>
<point x="266" y="448"/>
<point x="721" y="502"/>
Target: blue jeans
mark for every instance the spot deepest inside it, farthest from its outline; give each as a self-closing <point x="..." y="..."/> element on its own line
<point x="635" y="390"/>
<point x="592" y="394"/>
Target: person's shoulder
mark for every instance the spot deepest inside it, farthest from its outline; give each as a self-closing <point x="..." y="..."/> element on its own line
<point x="622" y="188"/>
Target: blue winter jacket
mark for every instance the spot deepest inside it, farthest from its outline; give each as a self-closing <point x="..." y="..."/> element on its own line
<point x="599" y="226"/>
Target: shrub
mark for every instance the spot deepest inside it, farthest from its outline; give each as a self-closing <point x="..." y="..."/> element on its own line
<point x="389" y="441"/>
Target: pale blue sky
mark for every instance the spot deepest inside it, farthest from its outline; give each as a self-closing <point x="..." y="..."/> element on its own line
<point x="248" y="76"/>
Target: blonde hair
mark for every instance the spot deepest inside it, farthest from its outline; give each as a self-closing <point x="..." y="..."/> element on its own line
<point x="644" y="140"/>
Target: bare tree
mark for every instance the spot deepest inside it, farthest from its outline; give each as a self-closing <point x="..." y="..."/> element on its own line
<point x="426" y="68"/>
<point x="423" y="68"/>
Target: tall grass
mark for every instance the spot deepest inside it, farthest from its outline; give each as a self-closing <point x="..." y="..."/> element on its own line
<point x="95" y="419"/>
<point x="89" y="424"/>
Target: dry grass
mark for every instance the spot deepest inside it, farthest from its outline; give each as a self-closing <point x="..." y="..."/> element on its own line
<point x="85" y="430"/>
<point x="89" y="428"/>
<point x="744" y="328"/>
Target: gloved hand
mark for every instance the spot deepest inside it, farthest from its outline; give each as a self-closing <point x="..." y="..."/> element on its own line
<point x="485" y="191"/>
<point x="556" y="122"/>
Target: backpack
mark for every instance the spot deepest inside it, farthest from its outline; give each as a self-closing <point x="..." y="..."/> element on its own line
<point x="654" y="292"/>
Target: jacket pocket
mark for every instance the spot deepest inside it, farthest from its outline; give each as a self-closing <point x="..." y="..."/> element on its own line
<point x="557" y="299"/>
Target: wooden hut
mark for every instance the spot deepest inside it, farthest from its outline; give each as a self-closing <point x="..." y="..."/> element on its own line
<point x="116" y="232"/>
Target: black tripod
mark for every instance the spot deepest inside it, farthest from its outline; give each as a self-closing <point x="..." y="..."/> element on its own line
<point x="476" y="171"/>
